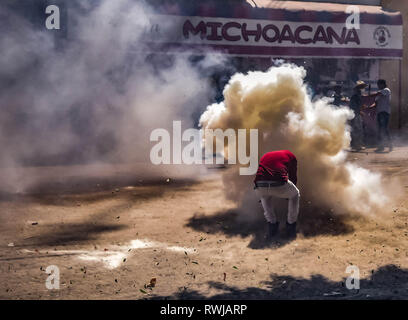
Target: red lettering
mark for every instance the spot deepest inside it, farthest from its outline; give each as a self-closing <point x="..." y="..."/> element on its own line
<point x="332" y="34"/>
<point x="214" y="31"/>
<point x="287" y="34"/>
<point x="246" y="33"/>
<point x="265" y="33"/>
<point x="320" y="35"/>
<point x="227" y="36"/>
<point x="299" y="30"/>
<point x="189" y="28"/>
<point x="352" y="36"/>
<point x="217" y="31"/>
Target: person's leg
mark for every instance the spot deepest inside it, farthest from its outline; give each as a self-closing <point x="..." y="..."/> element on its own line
<point x="386" y="129"/>
<point x="269" y="212"/>
<point x="291" y="192"/>
<point x="267" y="204"/>
<point x="356" y="132"/>
<point x="353" y="134"/>
<point x="360" y="142"/>
<point x="380" y="122"/>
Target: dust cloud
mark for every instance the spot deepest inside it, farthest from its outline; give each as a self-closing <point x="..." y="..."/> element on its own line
<point x="92" y="96"/>
<point x="277" y="103"/>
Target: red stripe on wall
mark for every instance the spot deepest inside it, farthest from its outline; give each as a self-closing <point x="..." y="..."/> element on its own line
<point x="328" y="16"/>
<point x="278" y="51"/>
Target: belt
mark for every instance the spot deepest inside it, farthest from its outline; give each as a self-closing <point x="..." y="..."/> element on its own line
<point x="267" y="184"/>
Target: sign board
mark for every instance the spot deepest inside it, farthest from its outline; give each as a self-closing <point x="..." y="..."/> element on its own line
<point x="275" y="38"/>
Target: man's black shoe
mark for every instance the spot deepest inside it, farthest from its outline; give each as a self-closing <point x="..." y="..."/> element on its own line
<point x="272" y="230"/>
<point x="291" y="230"/>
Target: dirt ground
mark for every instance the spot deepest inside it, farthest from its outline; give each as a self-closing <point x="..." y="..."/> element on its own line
<point x="110" y="236"/>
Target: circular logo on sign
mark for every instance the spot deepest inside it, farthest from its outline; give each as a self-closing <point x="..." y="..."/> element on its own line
<point x="382" y="36"/>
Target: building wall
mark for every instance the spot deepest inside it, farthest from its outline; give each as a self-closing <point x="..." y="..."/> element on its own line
<point x="389" y="70"/>
<point x="360" y="2"/>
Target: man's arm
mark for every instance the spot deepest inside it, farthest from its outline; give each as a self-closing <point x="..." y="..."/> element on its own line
<point x="374" y="94"/>
<point x="373" y="105"/>
<point x="379" y="93"/>
<point x="293" y="171"/>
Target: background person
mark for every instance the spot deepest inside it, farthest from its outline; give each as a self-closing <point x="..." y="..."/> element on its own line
<point x="356" y="122"/>
<point x="338" y="98"/>
<point x="382" y="105"/>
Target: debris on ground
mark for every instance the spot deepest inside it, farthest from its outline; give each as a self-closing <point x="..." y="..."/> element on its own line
<point x="152" y="283"/>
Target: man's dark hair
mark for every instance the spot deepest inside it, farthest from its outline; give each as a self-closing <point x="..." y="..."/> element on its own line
<point x="382" y="82"/>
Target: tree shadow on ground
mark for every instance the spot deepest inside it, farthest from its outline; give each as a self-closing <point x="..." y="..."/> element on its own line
<point x="68" y="233"/>
<point x="81" y="190"/>
<point x="388" y="282"/>
<point x="312" y="222"/>
<point x="97" y="223"/>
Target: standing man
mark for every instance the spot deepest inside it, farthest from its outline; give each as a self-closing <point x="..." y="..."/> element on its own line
<point x="383" y="111"/>
<point x="338" y="98"/>
<point x="276" y="178"/>
<point x="356" y="122"/>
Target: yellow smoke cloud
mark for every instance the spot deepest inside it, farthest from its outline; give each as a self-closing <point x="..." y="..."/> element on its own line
<point x="276" y="103"/>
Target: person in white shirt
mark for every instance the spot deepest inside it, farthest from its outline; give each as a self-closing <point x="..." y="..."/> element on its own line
<point x="383" y="111"/>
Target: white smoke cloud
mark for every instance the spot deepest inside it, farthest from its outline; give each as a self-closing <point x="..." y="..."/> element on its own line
<point x="95" y="96"/>
<point x="277" y="104"/>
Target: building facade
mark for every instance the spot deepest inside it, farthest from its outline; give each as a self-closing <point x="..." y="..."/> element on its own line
<point x="392" y="71"/>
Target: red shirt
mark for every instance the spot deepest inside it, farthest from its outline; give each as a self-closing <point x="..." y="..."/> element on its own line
<point x="277" y="166"/>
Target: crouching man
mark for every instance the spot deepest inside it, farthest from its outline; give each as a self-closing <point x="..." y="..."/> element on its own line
<point x="276" y="178"/>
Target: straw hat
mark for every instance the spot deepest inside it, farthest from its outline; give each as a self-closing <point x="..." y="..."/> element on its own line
<point x="360" y="85"/>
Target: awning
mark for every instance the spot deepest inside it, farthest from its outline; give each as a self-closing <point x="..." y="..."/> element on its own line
<point x="276" y="29"/>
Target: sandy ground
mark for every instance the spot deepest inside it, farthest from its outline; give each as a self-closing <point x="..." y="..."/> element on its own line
<point x="110" y="236"/>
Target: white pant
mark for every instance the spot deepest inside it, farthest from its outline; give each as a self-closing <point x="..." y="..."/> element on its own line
<point x="287" y="191"/>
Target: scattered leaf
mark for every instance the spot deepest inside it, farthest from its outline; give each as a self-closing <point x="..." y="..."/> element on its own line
<point x="153" y="282"/>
